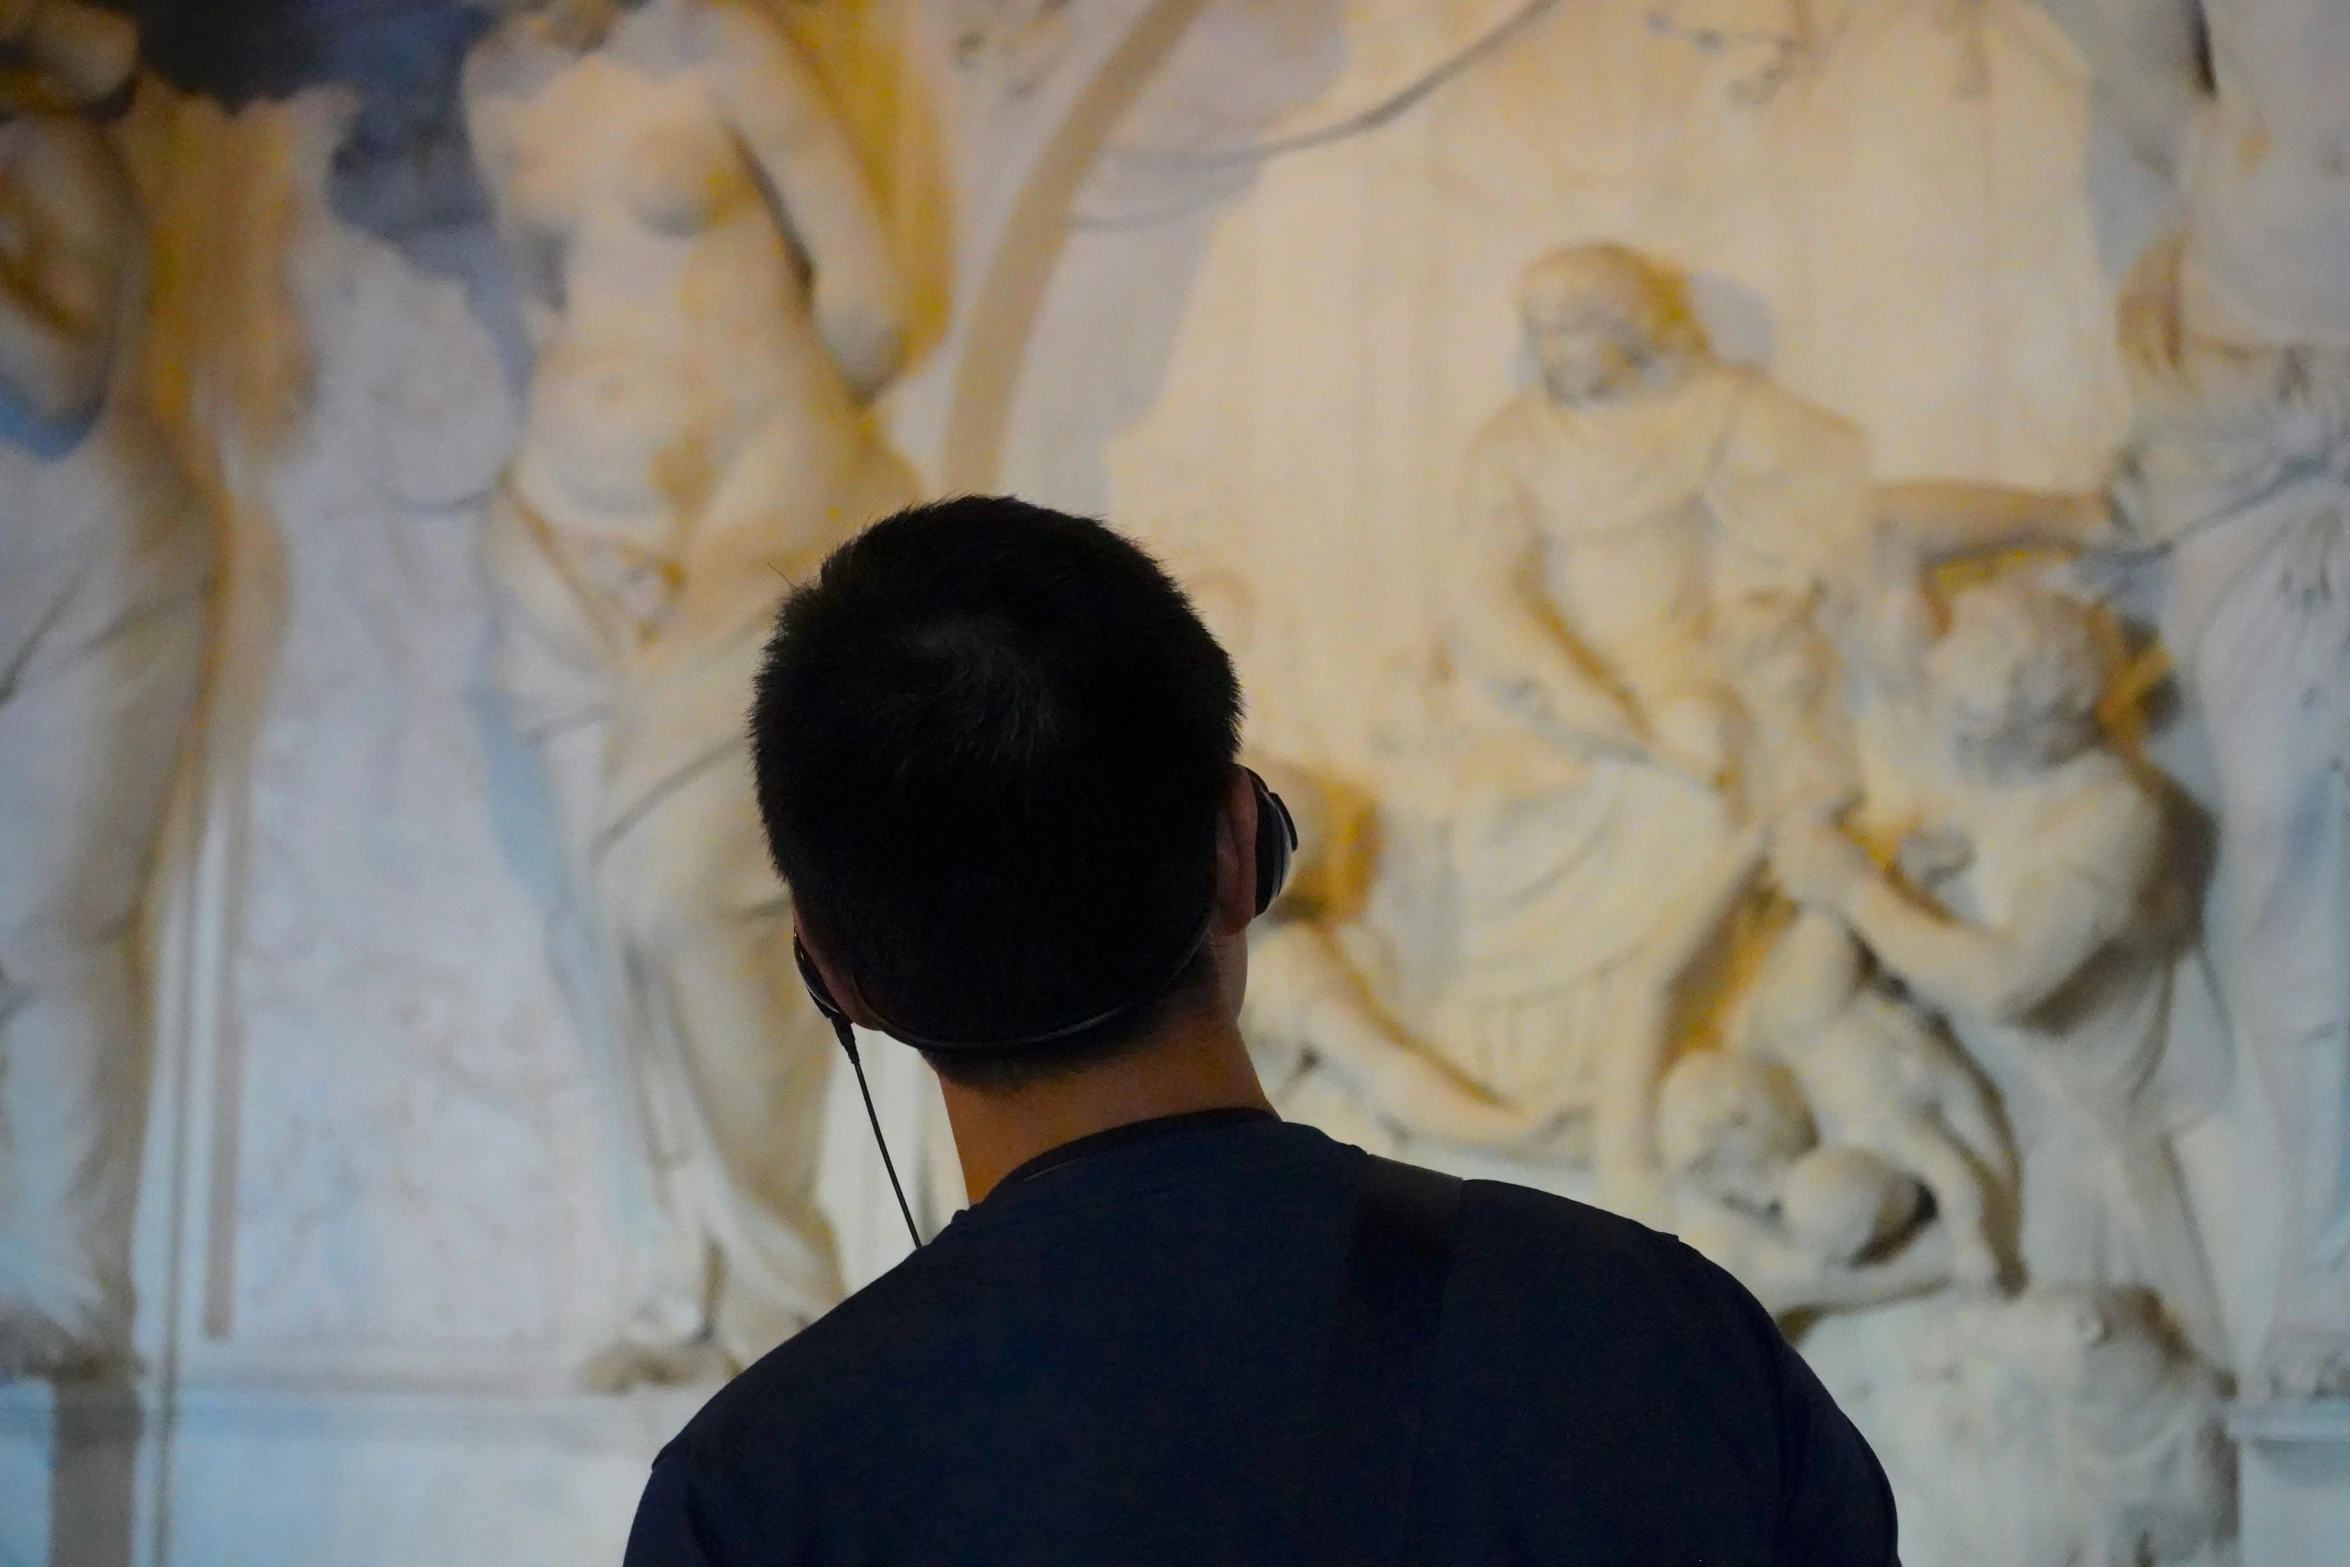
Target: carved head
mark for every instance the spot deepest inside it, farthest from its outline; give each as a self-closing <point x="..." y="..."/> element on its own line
<point x="62" y="55"/>
<point x="1603" y="319"/>
<point x="2105" y="1343"/>
<point x="1732" y="1126"/>
<point x="1846" y="1204"/>
<point x="1807" y="981"/>
<point x="2018" y="677"/>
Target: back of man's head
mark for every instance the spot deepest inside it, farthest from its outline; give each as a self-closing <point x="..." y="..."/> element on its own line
<point x="992" y="742"/>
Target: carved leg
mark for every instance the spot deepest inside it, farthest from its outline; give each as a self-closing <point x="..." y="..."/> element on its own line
<point x="1917" y="1145"/>
<point x="558" y="694"/>
<point x="2268" y="682"/>
<point x="88" y="743"/>
<point x="1969" y="1114"/>
<point x="1638" y="1044"/>
<point x="664" y="1335"/>
<point x="741" y="1054"/>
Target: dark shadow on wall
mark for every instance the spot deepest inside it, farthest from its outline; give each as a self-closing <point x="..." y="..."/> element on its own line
<point x="404" y="168"/>
<point x="93" y="1479"/>
<point x="240" y="50"/>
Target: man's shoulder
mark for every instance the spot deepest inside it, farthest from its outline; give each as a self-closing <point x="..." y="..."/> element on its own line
<point x="913" y="1322"/>
<point x="1571" y="1274"/>
<point x="804" y="1383"/>
<point x="1542" y="1229"/>
<point x="1577" y="1337"/>
<point x="1531" y="1269"/>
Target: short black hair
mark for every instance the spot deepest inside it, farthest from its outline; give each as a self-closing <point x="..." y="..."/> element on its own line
<point x="992" y="742"/>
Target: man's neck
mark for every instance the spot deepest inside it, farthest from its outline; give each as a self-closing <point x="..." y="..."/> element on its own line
<point x="1196" y="1061"/>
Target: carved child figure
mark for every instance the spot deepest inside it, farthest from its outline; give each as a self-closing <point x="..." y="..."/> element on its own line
<point x="1805" y="1227"/>
<point x="1879" y="1077"/>
<point x="2048" y="950"/>
<point x="103" y="565"/>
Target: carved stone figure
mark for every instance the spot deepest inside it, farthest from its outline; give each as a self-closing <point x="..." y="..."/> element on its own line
<point x="712" y="299"/>
<point x="2047" y="948"/>
<point x="1879" y="1078"/>
<point x="2236" y="330"/>
<point x="1807" y="1228"/>
<point x="2066" y="1426"/>
<point x="1326" y="1047"/>
<point x="104" y="561"/>
<point x="1608" y="511"/>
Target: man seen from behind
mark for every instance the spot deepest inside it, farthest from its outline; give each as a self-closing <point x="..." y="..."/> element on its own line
<point x="997" y="758"/>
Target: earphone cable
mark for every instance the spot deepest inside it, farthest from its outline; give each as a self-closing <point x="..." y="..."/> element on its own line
<point x="848" y="1042"/>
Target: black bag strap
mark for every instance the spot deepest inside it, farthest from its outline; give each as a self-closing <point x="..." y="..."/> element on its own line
<point x="1366" y="1440"/>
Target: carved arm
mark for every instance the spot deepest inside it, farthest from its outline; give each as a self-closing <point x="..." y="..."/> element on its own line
<point x="778" y="109"/>
<point x="1303" y="990"/>
<point x="1998" y="973"/>
<point x="70" y="233"/>
<point x="1944" y="519"/>
<point x="489" y="127"/>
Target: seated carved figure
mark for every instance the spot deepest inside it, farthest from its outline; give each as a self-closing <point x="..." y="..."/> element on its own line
<point x="1596" y="842"/>
<point x="1806" y="1228"/>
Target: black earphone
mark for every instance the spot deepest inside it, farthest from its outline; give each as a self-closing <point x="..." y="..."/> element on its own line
<point x="1276" y="843"/>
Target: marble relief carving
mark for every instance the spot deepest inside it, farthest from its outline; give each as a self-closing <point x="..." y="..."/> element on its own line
<point x="2040" y="934"/>
<point x="104" y="561"/>
<point x="1807" y="1226"/>
<point x="1758" y="838"/>
<point x="695" y="434"/>
<point x="1881" y="1081"/>
<point x="1604" y="839"/>
<point x="2066" y="1425"/>
<point x="1749" y="841"/>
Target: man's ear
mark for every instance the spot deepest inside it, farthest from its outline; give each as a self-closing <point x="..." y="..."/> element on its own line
<point x="1236" y="855"/>
<point x="839" y="984"/>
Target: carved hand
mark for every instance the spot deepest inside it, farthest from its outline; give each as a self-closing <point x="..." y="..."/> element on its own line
<point x="1816" y="864"/>
<point x="1697" y="735"/>
<point x="1934" y="854"/>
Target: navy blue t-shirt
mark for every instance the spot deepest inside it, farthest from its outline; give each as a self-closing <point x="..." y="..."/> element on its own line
<point x="1115" y="1357"/>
